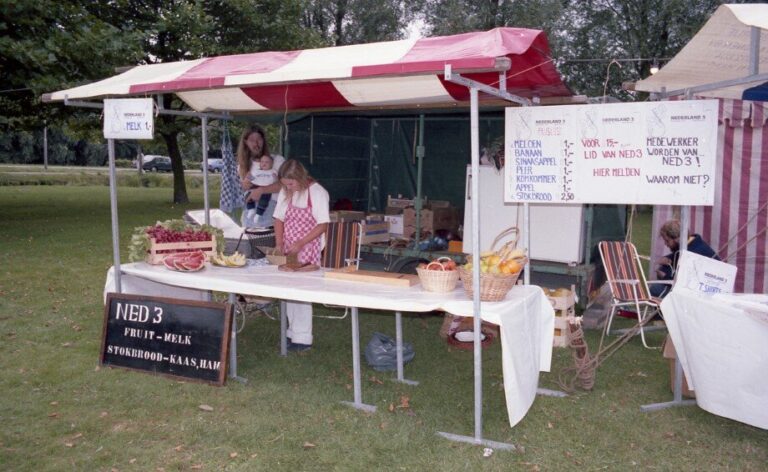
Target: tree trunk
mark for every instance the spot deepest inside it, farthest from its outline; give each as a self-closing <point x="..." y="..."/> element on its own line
<point x="179" y="184"/>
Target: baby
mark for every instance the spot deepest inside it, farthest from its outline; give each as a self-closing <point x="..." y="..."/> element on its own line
<point x="263" y="177"/>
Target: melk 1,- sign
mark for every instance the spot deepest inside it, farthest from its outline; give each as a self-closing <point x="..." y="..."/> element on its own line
<point x="129" y="118"/>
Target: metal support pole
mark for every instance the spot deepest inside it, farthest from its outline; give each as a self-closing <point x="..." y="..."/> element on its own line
<point x="206" y="201"/>
<point x="45" y="146"/>
<point x="113" y="209"/>
<point x="527" y="241"/>
<point x="399" y="349"/>
<point x="283" y="328"/>
<point x="356" y="376"/>
<point x="474" y="132"/>
<point x="754" y="50"/>
<point x="477" y="321"/>
<point x="233" y="346"/>
<point x="418" y="204"/>
<point x="677" y="392"/>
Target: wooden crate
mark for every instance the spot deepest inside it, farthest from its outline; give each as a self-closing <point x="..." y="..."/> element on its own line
<point x="158" y="251"/>
<point x="564" y="302"/>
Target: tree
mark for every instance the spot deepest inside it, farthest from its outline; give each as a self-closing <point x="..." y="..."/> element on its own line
<point x="625" y="29"/>
<point x="444" y="17"/>
<point x="48" y="45"/>
<point x="585" y="36"/>
<point x="187" y="29"/>
<point x="342" y="22"/>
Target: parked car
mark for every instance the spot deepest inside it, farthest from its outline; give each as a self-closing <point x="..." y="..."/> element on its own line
<point x="214" y="165"/>
<point x="157" y="163"/>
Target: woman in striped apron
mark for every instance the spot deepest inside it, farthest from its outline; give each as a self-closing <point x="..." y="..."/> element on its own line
<point x="301" y="219"/>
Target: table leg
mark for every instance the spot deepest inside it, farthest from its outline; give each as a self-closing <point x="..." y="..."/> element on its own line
<point x="233" y="345"/>
<point x="399" y="344"/>
<point x="358" y="396"/>
<point x="677" y="397"/>
<point x="283" y="328"/>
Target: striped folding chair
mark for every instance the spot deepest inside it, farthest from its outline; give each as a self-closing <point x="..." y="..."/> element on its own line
<point x="629" y="287"/>
<point x="342" y="244"/>
<point x="342" y="248"/>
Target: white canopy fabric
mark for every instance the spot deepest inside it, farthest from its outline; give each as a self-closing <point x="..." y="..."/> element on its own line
<point x="719" y="52"/>
<point x="406" y="73"/>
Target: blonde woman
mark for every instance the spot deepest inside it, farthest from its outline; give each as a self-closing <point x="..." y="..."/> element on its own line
<point x="250" y="150"/>
<point x="301" y="219"/>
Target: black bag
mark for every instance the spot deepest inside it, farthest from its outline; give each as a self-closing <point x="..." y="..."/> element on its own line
<point x="381" y="352"/>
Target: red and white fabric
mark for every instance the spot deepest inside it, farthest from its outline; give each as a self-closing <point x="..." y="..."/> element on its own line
<point x="736" y="225"/>
<point x="298" y="223"/>
<point x="385" y="74"/>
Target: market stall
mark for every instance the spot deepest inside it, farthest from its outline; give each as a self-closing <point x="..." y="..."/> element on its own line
<point x="504" y="65"/>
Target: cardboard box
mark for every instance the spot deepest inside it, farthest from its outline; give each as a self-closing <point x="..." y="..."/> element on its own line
<point x="409" y="232"/>
<point x="399" y="202"/>
<point x="439" y="204"/>
<point x="393" y="210"/>
<point x="409" y="217"/>
<point x="276" y="258"/>
<point x="455" y="246"/>
<point x="433" y="219"/>
<point x="347" y="216"/>
<point x="395" y="224"/>
<point x="375" y="232"/>
<point x="670" y="354"/>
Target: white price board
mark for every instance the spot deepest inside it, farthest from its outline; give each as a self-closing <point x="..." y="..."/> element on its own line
<point x="129" y="118"/>
<point x="645" y="153"/>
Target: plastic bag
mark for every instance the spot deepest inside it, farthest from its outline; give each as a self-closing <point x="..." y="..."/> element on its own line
<point x="381" y="352"/>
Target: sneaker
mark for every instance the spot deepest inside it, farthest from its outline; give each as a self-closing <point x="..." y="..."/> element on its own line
<point x="296" y="347"/>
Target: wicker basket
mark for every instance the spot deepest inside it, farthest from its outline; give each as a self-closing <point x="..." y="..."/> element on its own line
<point x="493" y="287"/>
<point x="441" y="280"/>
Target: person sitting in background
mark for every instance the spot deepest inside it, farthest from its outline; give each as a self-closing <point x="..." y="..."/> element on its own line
<point x="670" y="233"/>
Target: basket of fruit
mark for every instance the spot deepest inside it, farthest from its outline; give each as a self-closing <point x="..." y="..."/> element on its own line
<point x="499" y="271"/>
<point x="439" y="275"/>
<point x="155" y="243"/>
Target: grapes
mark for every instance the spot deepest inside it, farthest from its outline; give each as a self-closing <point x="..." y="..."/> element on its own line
<point x="162" y="234"/>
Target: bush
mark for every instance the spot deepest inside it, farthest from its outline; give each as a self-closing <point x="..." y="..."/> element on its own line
<point x="124" y="163"/>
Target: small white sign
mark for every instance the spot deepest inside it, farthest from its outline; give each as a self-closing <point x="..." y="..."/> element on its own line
<point x="129" y="118"/>
<point x="704" y="274"/>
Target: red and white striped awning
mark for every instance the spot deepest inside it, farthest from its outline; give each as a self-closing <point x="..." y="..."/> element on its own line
<point x="406" y="73"/>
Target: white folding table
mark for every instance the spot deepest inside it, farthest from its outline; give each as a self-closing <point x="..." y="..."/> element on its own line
<point x="525" y="317"/>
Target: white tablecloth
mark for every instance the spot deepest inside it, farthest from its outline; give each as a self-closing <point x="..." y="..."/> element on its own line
<point x="525" y="317"/>
<point x="722" y="343"/>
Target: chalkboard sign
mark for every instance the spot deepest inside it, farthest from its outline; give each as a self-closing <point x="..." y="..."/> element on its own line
<point x="179" y="338"/>
<point x="646" y="153"/>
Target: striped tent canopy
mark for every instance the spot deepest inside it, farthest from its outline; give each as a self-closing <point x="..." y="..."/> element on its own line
<point x="394" y="74"/>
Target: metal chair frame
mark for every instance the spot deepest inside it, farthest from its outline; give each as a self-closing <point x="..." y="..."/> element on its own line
<point x="630" y="291"/>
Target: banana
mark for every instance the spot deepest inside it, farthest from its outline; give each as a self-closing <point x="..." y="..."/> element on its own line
<point x="235" y="260"/>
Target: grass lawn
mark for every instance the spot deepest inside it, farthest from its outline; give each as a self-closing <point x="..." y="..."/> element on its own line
<point x="60" y="411"/>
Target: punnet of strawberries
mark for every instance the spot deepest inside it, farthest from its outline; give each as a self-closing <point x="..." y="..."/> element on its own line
<point x="170" y="231"/>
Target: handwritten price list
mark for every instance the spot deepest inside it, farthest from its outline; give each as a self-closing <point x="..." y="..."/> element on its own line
<point x="647" y="153"/>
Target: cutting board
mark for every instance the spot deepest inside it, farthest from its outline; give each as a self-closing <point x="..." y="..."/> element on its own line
<point x="373" y="277"/>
